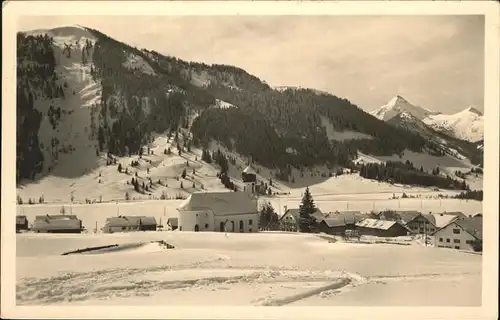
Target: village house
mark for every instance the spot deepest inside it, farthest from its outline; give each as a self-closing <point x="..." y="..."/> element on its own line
<point x="57" y="224"/>
<point x="289" y="221"/>
<point x="21" y="223"/>
<point x="381" y="228"/>
<point x="173" y="223"/>
<point x="415" y="221"/>
<point x="461" y="234"/>
<point x="129" y="223"/>
<point x="337" y="223"/>
<point x="219" y="211"/>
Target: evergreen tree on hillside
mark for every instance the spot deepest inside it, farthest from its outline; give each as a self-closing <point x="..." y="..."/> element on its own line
<point x="307" y="222"/>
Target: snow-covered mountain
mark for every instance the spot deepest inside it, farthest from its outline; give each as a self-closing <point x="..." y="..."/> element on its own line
<point x="399" y="105"/>
<point x="465" y="125"/>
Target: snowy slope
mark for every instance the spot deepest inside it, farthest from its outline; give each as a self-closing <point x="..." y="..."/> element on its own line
<point x="467" y="124"/>
<point x="69" y="148"/>
<point x="219" y="269"/>
<point x="135" y="62"/>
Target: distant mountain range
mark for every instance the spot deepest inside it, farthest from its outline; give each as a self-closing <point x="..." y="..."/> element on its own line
<point x="467" y="124"/>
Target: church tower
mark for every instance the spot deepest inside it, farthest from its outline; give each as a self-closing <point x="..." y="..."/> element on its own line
<point x="249" y="177"/>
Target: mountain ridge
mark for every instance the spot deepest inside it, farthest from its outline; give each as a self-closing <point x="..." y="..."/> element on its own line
<point x="466" y="124"/>
<point x="99" y="101"/>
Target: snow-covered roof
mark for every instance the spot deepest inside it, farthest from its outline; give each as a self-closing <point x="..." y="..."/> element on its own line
<point x="444" y="219"/>
<point x="407" y="216"/>
<point x="59" y="222"/>
<point x="57" y="217"/>
<point x="21" y="219"/>
<point x="249" y="170"/>
<point x="124" y="221"/>
<point x="220" y="203"/>
<point x="375" y="224"/>
<point x="338" y="219"/>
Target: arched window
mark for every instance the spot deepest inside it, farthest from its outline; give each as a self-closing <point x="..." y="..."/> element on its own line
<point x="222" y="226"/>
<point x="241" y="225"/>
<point x="196" y="228"/>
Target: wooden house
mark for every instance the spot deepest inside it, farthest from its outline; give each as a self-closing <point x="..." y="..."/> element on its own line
<point x="129" y="223"/>
<point x="57" y="224"/>
<point x="337" y="223"/>
<point x="381" y="228"/>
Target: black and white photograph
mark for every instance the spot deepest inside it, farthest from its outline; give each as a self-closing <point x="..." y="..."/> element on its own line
<point x="250" y="160"/>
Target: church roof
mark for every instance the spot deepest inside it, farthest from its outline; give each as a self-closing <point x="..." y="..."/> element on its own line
<point x="220" y="203"/>
<point x="249" y="170"/>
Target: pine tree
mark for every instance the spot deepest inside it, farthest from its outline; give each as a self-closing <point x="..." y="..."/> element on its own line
<point x="184" y="174"/>
<point x="120" y="167"/>
<point x="307" y="222"/>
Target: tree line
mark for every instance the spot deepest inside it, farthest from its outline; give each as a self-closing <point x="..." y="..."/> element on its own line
<point x="406" y="173"/>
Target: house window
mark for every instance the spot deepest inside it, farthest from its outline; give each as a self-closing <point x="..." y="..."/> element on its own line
<point x="180" y="228"/>
<point x="448" y="240"/>
<point x="124" y="228"/>
<point x="456" y="240"/>
<point x="250" y="222"/>
<point x="457" y="247"/>
<point x="427" y="222"/>
<point x="456" y="231"/>
<point x="206" y="225"/>
<point x="432" y="229"/>
<point x="440" y="239"/>
<point x="250" y="230"/>
<point x="469" y="241"/>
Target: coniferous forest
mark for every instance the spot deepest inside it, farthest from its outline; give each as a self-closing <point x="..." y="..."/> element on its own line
<point x="406" y="173"/>
<point x="36" y="80"/>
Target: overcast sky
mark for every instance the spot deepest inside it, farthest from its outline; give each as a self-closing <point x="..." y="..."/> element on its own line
<point x="436" y="62"/>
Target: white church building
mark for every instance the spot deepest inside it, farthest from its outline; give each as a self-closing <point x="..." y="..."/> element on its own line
<point x="222" y="211"/>
<point x="219" y="211"/>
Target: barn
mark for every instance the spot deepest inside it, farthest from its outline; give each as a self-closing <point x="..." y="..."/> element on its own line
<point x="219" y="211"/>
<point x="129" y="223"/>
<point x="21" y="223"/>
<point x="57" y="224"/>
<point x="381" y="228"/>
<point x="338" y="222"/>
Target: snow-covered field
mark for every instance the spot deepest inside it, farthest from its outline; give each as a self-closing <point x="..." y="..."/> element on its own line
<point x="273" y="269"/>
